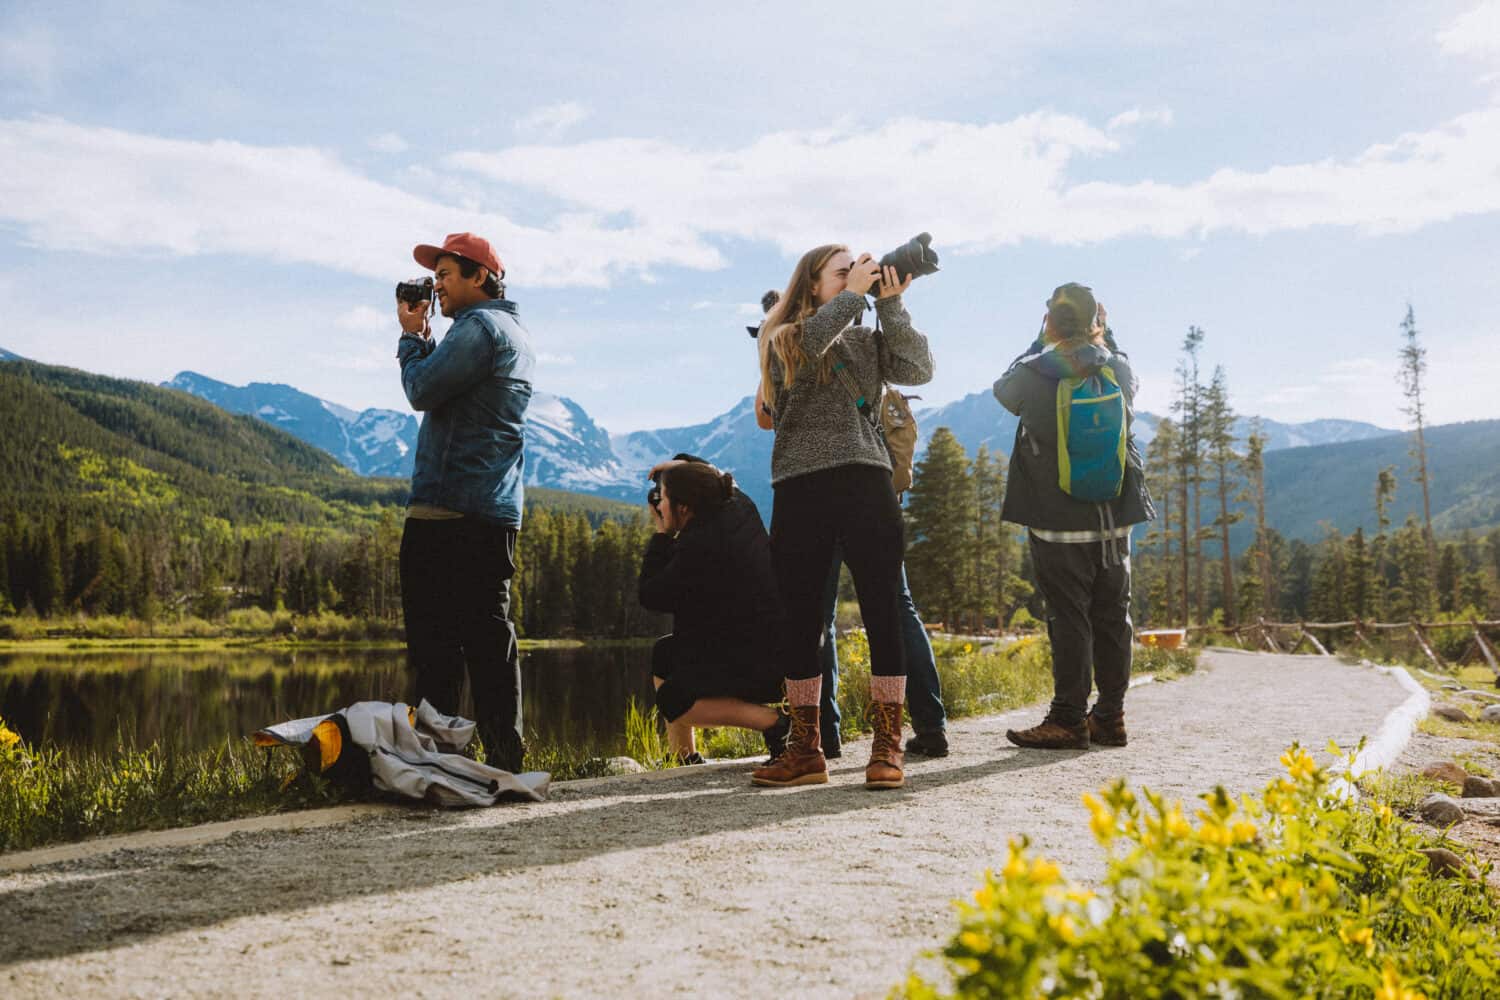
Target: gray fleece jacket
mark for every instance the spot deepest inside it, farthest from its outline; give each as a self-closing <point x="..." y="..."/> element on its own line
<point x="817" y="424"/>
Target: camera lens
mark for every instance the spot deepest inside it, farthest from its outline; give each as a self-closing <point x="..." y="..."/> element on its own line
<point x="915" y="257"/>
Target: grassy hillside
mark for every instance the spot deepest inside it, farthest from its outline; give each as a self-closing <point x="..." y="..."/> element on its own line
<point x="1306" y="487"/>
<point x="84" y="444"/>
<point x="78" y="443"/>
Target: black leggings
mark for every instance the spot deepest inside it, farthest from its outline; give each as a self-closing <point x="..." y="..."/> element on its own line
<point x="855" y="507"/>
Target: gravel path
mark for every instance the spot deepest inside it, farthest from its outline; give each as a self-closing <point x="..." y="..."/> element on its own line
<point x="693" y="885"/>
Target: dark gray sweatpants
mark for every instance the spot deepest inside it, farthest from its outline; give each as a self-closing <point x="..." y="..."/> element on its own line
<point x="1088" y="623"/>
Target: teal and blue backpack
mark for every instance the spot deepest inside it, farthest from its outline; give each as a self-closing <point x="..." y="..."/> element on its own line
<point x="1091" y="431"/>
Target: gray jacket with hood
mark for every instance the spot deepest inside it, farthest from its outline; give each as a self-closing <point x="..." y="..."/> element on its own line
<point x="1032" y="494"/>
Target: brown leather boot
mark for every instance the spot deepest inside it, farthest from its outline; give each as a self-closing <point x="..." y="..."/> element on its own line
<point x="1051" y="735"/>
<point x="884" y="769"/>
<point x="1107" y="732"/>
<point x="802" y="761"/>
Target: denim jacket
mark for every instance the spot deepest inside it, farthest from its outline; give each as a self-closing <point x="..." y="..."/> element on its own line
<point x="473" y="388"/>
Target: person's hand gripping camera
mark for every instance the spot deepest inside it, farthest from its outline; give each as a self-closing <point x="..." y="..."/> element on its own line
<point x="865" y="274"/>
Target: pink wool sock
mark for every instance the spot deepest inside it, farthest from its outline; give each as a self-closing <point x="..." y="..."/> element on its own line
<point x="888" y="689"/>
<point x="803" y="693"/>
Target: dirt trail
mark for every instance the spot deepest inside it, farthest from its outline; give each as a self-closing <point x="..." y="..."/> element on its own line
<point x="696" y="885"/>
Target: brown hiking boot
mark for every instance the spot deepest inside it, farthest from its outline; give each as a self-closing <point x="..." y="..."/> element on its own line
<point x="1051" y="735"/>
<point x="884" y="769"/>
<point x="801" y="763"/>
<point x="1107" y="733"/>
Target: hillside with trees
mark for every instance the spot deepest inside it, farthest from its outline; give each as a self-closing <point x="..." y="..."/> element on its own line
<point x="123" y="498"/>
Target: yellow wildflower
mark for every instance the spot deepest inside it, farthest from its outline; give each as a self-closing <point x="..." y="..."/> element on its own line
<point x="1363" y="937"/>
<point x="1015" y="865"/>
<point x="1243" y="832"/>
<point x="968" y="648"/>
<point x="1215" y="833"/>
<point x="1044" y="872"/>
<point x="8" y="737"/>
<point x="1175" y="825"/>
<point x="985" y="897"/>
<point x="1063" y="925"/>
<point x="974" y="941"/>
<point x="1299" y="763"/>
<point x="1391" y="988"/>
<point x="1101" y="819"/>
<point x="1383" y="813"/>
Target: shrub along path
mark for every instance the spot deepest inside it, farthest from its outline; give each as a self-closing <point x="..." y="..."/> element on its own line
<point x="689" y="882"/>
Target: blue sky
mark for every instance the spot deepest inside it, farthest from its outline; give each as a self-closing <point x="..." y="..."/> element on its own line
<point x="235" y="189"/>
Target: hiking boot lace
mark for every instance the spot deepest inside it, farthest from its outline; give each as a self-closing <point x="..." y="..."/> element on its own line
<point x="798" y="729"/>
<point x="887" y="735"/>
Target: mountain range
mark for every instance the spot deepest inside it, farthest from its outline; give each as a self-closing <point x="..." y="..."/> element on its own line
<point x="567" y="450"/>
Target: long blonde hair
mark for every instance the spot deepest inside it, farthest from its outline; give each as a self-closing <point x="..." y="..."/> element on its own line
<point x="781" y="332"/>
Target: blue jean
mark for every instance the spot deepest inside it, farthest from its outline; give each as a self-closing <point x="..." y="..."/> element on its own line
<point x="924" y="692"/>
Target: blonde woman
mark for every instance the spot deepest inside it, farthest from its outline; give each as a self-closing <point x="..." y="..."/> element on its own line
<point x="832" y="479"/>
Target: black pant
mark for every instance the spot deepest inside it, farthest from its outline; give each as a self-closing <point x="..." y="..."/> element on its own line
<point x="455" y="592"/>
<point x="853" y="507"/>
<point x="1088" y="623"/>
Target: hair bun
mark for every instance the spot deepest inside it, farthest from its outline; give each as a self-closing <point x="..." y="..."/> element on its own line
<point x="727" y="481"/>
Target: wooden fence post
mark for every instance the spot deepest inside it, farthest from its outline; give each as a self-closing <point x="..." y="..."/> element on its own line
<point x="1485" y="649"/>
<point x="1416" y="630"/>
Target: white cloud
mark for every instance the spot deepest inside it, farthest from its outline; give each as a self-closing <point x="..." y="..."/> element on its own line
<point x="367" y="319"/>
<point x="552" y="121"/>
<point x="102" y="190"/>
<point x="1140" y="116"/>
<point x="985" y="185"/>
<point x="388" y="142"/>
<point x="1473" y="33"/>
<point x="664" y="205"/>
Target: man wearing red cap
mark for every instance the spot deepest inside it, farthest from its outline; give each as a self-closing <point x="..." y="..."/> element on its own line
<point x="458" y="550"/>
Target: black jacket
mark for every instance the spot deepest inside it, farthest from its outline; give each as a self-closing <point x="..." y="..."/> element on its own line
<point x="716" y="579"/>
<point x="1032" y="494"/>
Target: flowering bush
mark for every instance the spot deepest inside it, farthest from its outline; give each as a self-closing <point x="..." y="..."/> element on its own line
<point x="1296" y="892"/>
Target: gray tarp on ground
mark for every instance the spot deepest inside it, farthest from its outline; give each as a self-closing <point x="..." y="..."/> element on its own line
<point x="419" y="760"/>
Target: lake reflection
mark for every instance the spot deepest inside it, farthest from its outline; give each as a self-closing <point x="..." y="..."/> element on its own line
<point x="196" y="699"/>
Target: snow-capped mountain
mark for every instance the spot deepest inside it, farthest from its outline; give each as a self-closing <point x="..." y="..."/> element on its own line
<point x="565" y="449"/>
<point x="373" y="442"/>
<point x="8" y="356"/>
<point x="731" y="441"/>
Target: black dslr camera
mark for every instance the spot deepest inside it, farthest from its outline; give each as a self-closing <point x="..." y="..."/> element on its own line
<point x="654" y="496"/>
<point x="415" y="292"/>
<point x="914" y="257"/>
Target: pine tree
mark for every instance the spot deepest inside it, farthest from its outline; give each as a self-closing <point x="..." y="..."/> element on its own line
<point x="941" y="511"/>
<point x="1219" y="432"/>
<point x="1189" y="409"/>
<point x="1161" y="477"/>
<point x="1329" y="599"/>
<point x="1412" y="374"/>
<point x="49" y="589"/>
<point x="1448" y="575"/>
<point x="1361" y="583"/>
<point x="1254" y="468"/>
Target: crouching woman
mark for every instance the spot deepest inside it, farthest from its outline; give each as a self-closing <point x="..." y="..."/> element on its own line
<point x="709" y="565"/>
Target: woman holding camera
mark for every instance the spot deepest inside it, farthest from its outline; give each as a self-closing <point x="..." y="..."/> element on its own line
<point x="709" y="565"/>
<point x="821" y="377"/>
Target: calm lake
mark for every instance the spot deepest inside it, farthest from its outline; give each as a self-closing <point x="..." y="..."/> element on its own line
<point x="96" y="700"/>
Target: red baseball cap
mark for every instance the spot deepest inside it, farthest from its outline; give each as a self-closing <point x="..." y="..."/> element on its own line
<point x="475" y="248"/>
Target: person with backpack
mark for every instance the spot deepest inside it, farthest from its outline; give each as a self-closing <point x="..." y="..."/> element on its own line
<point x="831" y="472"/>
<point x="1077" y="485"/>
<point x="924" y="688"/>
